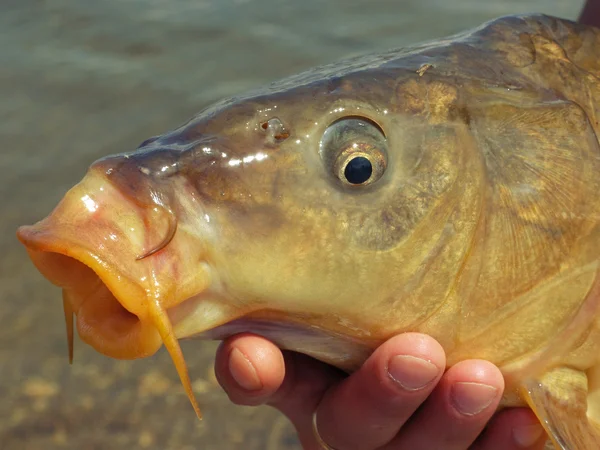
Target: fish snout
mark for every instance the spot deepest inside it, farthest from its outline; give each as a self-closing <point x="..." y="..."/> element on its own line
<point x="112" y="244"/>
<point x="111" y="247"/>
<point x="86" y="246"/>
<point x="143" y="176"/>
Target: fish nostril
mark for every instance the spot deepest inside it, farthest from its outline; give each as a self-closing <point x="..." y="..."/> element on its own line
<point x="275" y="129"/>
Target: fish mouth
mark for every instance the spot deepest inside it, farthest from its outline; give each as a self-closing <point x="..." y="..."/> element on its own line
<point x="91" y="291"/>
<point x="121" y="265"/>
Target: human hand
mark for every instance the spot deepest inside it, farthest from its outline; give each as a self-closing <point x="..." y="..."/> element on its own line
<point x="391" y="403"/>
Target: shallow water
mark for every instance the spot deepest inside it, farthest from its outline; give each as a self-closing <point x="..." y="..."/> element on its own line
<point x="80" y="80"/>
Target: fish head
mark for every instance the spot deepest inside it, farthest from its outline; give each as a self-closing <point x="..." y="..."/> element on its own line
<point x="311" y="193"/>
<point x="286" y="206"/>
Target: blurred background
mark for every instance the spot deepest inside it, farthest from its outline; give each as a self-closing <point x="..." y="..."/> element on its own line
<point x="83" y="79"/>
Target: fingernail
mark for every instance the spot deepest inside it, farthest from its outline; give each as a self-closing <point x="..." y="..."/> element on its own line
<point x="472" y="398"/>
<point x="410" y="372"/>
<point x="243" y="372"/>
<point x="528" y="435"/>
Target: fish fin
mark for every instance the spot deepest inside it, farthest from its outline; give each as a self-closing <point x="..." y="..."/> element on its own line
<point x="68" y="310"/>
<point x="560" y="401"/>
<point x="165" y="328"/>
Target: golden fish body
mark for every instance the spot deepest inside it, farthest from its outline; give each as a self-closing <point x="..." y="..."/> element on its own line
<point x="450" y="188"/>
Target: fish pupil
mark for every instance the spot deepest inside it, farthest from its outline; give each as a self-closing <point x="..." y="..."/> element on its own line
<point x="358" y="170"/>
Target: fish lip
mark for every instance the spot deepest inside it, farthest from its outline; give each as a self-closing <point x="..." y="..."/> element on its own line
<point x="96" y="296"/>
<point x="125" y="241"/>
<point x="44" y="241"/>
<point x="124" y="296"/>
<point x="96" y="227"/>
<point x="148" y="268"/>
<point x="105" y="326"/>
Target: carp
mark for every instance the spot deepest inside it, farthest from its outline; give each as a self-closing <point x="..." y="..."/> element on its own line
<point x="449" y="188"/>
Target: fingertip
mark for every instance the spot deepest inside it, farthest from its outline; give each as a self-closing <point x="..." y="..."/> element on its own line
<point x="458" y="409"/>
<point x="415" y="345"/>
<point x="475" y="387"/>
<point x="513" y="428"/>
<point x="476" y="371"/>
<point x="250" y="368"/>
<point x="529" y="436"/>
<point x="243" y="372"/>
<point x="409" y="364"/>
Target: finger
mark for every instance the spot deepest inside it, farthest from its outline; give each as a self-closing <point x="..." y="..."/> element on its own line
<point x="306" y="381"/>
<point x="512" y="429"/>
<point x="457" y="410"/>
<point x="367" y="409"/>
<point x="249" y="368"/>
<point x="261" y="374"/>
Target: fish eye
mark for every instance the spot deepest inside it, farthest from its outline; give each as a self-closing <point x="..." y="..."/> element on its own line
<point x="355" y="150"/>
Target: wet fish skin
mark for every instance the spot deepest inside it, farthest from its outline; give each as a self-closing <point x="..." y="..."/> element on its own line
<point x="482" y="230"/>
